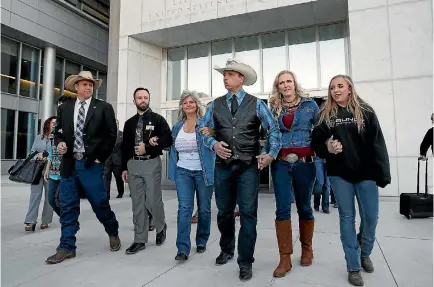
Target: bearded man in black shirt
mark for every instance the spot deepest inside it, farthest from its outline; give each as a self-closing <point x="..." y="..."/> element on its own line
<point x="146" y="135"/>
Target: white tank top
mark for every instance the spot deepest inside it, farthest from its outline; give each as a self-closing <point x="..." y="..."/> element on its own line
<point x="187" y="148"/>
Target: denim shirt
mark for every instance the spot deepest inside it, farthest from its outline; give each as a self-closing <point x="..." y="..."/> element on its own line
<point x="263" y="113"/>
<point x="299" y="135"/>
<point x="207" y="156"/>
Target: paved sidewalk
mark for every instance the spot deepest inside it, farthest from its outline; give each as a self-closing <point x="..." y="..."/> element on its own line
<point x="402" y="255"/>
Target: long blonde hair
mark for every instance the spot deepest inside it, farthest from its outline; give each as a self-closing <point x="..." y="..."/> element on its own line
<point x="356" y="105"/>
<point x="276" y="98"/>
<point x="195" y="97"/>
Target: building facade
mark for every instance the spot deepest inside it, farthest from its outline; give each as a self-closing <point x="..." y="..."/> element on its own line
<point x="385" y="45"/>
<point x="42" y="43"/>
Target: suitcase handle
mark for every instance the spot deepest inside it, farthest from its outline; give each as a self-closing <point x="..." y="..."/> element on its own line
<point x="426" y="174"/>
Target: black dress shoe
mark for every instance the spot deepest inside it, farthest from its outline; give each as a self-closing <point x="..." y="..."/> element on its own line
<point x="223" y="258"/>
<point x="181" y="256"/>
<point x="135" y="247"/>
<point x="201" y="249"/>
<point x="327" y="211"/>
<point x="119" y="196"/>
<point x="316" y="208"/>
<point x="151" y="224"/>
<point x="245" y="273"/>
<point x="161" y="236"/>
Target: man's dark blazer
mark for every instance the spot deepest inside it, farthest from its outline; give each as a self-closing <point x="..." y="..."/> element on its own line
<point x="116" y="156"/>
<point x="99" y="134"/>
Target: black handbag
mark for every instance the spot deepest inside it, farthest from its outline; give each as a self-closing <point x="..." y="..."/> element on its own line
<point x="27" y="170"/>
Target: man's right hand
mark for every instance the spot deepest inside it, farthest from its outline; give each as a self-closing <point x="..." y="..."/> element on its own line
<point x="221" y="150"/>
<point x="125" y="176"/>
<point x="62" y="148"/>
<point x="140" y="149"/>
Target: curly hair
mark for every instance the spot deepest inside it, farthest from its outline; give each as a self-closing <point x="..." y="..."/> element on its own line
<point x="195" y="96"/>
<point x="46" y="129"/>
<point x="276" y="97"/>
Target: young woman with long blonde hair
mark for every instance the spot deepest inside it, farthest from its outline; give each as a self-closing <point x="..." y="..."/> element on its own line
<point x="295" y="114"/>
<point x="349" y="137"/>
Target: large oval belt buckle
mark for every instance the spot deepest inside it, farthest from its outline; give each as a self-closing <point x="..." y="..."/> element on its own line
<point x="292" y="157"/>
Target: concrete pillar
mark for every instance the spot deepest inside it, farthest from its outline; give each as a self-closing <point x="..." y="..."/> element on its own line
<point x="113" y="54"/>
<point x="48" y="84"/>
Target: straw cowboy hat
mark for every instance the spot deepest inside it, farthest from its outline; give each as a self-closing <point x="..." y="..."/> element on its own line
<point x="249" y="74"/>
<point x="82" y="76"/>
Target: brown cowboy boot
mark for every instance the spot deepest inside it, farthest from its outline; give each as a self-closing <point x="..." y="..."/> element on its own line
<point x="306" y="234"/>
<point x="284" y="240"/>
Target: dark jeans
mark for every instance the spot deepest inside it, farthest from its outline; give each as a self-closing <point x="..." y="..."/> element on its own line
<point x="53" y="195"/>
<point x="110" y="168"/>
<point x="237" y="183"/>
<point x="187" y="182"/>
<point x="92" y="182"/>
<point x="321" y="188"/>
<point x="366" y="193"/>
<point x="302" y="176"/>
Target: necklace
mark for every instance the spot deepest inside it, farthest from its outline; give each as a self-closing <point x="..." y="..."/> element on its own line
<point x="292" y="103"/>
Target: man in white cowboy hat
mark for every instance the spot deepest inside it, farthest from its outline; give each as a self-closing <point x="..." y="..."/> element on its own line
<point x="85" y="135"/>
<point x="236" y="118"/>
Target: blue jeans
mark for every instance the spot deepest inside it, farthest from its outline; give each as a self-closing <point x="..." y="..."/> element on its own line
<point x="237" y="183"/>
<point x="322" y="185"/>
<point x="187" y="181"/>
<point x="92" y="182"/>
<point x="366" y="193"/>
<point x="301" y="176"/>
<point x="53" y="195"/>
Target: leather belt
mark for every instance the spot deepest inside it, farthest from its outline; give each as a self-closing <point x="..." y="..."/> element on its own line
<point x="143" y="157"/>
<point x="78" y="155"/>
<point x="292" y="158"/>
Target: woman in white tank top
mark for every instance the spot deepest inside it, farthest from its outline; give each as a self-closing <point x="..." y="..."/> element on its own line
<point x="191" y="166"/>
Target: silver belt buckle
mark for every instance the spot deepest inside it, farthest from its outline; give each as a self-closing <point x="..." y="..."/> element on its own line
<point x="78" y="155"/>
<point x="291" y="158"/>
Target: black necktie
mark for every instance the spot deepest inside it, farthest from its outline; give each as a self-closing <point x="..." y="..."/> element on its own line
<point x="234" y="104"/>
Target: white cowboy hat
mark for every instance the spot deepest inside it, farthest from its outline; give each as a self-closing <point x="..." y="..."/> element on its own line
<point x="249" y="74"/>
<point x="82" y="76"/>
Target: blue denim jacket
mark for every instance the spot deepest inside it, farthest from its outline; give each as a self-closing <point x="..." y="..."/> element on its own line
<point x="299" y="135"/>
<point x="207" y="156"/>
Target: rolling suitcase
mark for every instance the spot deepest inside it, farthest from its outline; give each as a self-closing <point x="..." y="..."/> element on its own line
<point x="417" y="205"/>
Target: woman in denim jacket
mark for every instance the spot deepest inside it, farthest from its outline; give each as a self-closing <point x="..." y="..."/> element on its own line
<point x="191" y="166"/>
<point x="294" y="166"/>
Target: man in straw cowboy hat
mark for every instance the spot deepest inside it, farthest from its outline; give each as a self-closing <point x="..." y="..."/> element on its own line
<point x="236" y="118"/>
<point x="85" y="135"/>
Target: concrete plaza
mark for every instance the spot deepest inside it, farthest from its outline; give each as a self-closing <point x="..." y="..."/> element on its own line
<point x="402" y="255"/>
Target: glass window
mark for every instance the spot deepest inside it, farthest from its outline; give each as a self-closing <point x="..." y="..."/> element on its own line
<point x="29" y="72"/>
<point x="221" y="51"/>
<point x="7" y="133"/>
<point x="273" y="58"/>
<point x="71" y="69"/>
<point x="247" y="51"/>
<point x="332" y="51"/>
<point x="302" y="56"/>
<point x="26" y="133"/>
<point x="102" y="91"/>
<point x="9" y="61"/>
<point x="172" y="117"/>
<point x="198" y="68"/>
<point x="176" y="67"/>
